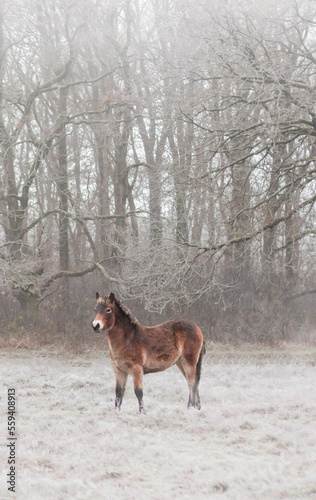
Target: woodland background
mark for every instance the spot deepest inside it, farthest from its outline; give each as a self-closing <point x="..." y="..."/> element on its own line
<point x="163" y="150"/>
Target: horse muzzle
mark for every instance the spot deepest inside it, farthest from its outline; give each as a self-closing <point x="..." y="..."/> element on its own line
<point x="97" y="327"/>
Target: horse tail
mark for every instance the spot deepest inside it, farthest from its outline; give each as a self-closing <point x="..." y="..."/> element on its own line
<point x="199" y="364"/>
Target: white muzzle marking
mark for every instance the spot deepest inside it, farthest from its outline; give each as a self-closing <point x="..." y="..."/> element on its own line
<point x="97" y="325"/>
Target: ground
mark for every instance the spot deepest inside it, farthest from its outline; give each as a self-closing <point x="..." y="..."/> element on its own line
<point x="254" y="437"/>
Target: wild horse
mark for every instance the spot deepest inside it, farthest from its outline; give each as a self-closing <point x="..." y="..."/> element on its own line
<point x="137" y="350"/>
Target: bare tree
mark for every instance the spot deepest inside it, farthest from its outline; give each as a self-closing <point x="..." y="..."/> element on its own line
<point x="167" y="146"/>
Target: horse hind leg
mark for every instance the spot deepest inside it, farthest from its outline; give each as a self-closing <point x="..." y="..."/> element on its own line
<point x="193" y="375"/>
<point x="198" y="370"/>
<point x="138" y="385"/>
<point x="188" y="373"/>
<point x="194" y="397"/>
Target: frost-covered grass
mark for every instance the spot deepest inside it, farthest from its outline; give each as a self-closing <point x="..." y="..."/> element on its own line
<point x="255" y="437"/>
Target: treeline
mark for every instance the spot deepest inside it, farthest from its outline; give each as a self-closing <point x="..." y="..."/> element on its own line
<point x="164" y="150"/>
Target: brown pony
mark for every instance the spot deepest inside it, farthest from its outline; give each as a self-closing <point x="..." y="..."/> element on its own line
<point x="136" y="349"/>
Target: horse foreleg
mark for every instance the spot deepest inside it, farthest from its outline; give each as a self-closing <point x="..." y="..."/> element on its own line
<point x="121" y="378"/>
<point x="138" y="385"/>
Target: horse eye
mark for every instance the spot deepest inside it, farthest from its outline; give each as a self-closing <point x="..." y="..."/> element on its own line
<point x="109" y="310"/>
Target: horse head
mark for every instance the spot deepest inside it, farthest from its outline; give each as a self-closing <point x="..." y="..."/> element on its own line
<point x="105" y="312"/>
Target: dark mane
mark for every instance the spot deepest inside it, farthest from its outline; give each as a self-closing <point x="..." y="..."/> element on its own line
<point x="127" y="313"/>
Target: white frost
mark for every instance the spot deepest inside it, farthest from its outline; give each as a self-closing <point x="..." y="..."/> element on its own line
<point x="255" y="437"/>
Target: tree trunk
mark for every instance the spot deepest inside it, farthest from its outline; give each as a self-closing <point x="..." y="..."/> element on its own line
<point x="63" y="188"/>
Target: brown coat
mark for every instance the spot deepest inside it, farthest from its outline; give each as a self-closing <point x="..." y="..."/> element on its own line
<point x="136" y="349"/>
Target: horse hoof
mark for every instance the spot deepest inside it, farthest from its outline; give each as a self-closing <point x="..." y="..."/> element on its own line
<point x="197" y="406"/>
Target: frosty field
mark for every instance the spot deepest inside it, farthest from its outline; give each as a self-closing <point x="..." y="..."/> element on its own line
<point x="254" y="438"/>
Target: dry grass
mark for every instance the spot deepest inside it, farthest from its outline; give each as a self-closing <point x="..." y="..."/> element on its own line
<point x="253" y="439"/>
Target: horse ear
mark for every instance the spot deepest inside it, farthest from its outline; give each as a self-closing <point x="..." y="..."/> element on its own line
<point x="112" y="297"/>
<point x="97" y="295"/>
